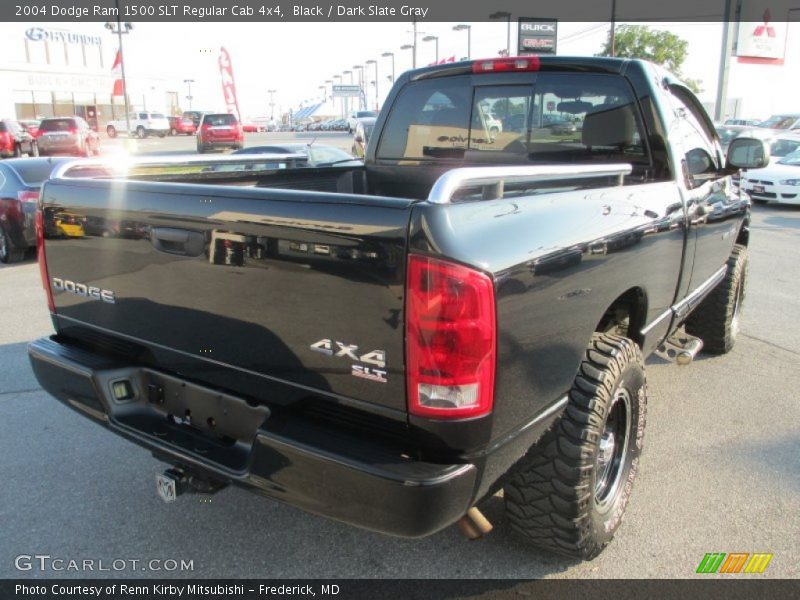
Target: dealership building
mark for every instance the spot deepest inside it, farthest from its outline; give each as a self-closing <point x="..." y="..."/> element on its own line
<point x="60" y="70"/>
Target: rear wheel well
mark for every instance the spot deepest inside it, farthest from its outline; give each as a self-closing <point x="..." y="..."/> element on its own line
<point x="625" y="316"/>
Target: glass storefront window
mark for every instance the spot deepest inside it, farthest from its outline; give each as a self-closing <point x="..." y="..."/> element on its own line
<point x="23" y="103"/>
<point x="43" y="101"/>
<point x="63" y="104"/>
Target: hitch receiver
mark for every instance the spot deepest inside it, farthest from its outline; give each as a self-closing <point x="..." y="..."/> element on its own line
<point x="173" y="482"/>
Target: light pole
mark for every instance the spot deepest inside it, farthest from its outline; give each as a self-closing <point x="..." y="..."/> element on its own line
<point x="375" y="62"/>
<point x="339" y="77"/>
<point x="433" y="38"/>
<point x="468" y="29"/>
<point x="504" y="15"/>
<point x="346" y="99"/>
<point x="385" y="54"/>
<point x="128" y="26"/>
<point x="189" y="83"/>
<point x="271" y="104"/>
<point x="361" y="92"/>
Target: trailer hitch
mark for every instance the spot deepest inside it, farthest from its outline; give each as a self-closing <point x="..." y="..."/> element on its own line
<point x="175" y="481"/>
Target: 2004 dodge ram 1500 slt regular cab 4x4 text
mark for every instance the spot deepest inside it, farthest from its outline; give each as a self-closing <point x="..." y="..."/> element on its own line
<point x="388" y="344"/>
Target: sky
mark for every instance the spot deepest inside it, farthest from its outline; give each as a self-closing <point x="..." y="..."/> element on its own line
<point x="296" y="58"/>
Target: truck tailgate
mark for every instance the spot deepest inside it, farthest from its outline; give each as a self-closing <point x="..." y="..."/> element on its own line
<point x="278" y="295"/>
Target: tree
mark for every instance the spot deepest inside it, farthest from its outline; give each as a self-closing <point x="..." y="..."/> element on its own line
<point x="661" y="47"/>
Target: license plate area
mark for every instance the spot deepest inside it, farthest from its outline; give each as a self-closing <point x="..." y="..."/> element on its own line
<point x="204" y="422"/>
<point x="758" y="189"/>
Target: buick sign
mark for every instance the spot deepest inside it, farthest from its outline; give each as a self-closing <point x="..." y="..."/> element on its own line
<point x="537" y="36"/>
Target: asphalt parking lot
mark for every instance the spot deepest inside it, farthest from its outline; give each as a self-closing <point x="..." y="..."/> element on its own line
<point x="720" y="471"/>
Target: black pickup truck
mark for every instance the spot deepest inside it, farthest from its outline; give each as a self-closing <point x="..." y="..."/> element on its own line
<point x="390" y="343"/>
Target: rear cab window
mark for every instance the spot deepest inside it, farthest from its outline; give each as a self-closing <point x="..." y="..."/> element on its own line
<point x="219" y="120"/>
<point x="552" y="117"/>
<point x="58" y="125"/>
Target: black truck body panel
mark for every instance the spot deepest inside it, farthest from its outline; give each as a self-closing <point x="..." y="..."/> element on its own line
<point x="248" y="304"/>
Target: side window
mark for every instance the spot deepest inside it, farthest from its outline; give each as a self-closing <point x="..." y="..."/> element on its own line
<point x="429" y="119"/>
<point x="700" y="154"/>
<point x="143" y="116"/>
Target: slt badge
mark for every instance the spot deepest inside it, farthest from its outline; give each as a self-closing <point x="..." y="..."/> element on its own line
<point x="377" y="358"/>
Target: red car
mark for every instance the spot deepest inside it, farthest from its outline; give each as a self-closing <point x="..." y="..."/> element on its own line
<point x="181" y="125"/>
<point x="15" y="140"/>
<point x="249" y="127"/>
<point x="31" y="126"/>
<point x="219" y="130"/>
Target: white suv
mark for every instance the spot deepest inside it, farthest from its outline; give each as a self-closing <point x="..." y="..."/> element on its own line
<point x="142" y="125"/>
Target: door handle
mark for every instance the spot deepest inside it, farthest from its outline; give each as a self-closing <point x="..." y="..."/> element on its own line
<point x="178" y="241"/>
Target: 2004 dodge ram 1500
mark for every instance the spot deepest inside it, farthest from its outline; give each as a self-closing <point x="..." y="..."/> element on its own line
<point x="388" y="344"/>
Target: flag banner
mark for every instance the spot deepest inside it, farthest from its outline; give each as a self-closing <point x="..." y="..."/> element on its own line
<point x="228" y="83"/>
<point x="116" y="69"/>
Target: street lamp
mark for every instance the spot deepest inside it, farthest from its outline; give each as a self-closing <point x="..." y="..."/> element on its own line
<point x="414" y="59"/>
<point x="119" y="31"/>
<point x="504" y="15"/>
<point x="375" y="62"/>
<point x="385" y="54"/>
<point x="433" y="38"/>
<point x="271" y="104"/>
<point x="189" y="82"/>
<point x="361" y="92"/>
<point x="468" y="29"/>
<point x="346" y="99"/>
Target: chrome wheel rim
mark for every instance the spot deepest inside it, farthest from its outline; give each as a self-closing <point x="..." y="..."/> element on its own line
<point x="3" y="245"/>
<point x="612" y="449"/>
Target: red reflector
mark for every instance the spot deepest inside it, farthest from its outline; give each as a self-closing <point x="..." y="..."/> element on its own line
<point x="28" y="196"/>
<point x="40" y="257"/>
<point x="450" y="339"/>
<point x="513" y="63"/>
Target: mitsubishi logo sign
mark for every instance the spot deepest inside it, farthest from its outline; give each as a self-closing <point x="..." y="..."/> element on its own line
<point x="761" y="42"/>
<point x="766" y="28"/>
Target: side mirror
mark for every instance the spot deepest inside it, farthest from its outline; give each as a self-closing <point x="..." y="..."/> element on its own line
<point x="747" y="153"/>
<point x="359" y="139"/>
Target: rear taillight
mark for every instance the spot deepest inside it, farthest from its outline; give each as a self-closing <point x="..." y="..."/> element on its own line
<point x="40" y="256"/>
<point x="450" y="339"/>
<point x="72" y="131"/>
<point x="28" y="196"/>
<point x="5" y="139"/>
<point x="514" y="63"/>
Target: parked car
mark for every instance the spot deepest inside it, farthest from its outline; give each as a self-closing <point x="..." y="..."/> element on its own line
<point x="778" y="183"/>
<point x="319" y="155"/>
<point x="219" y="130"/>
<point x="142" y="124"/>
<point x="727" y="133"/>
<point x="15" y="140"/>
<point x="352" y="120"/>
<point x="196" y="115"/>
<point x="67" y="135"/>
<point x="361" y="136"/>
<point x="20" y="180"/>
<point x="249" y="127"/>
<point x="181" y="126"/>
<point x="396" y="341"/>
<point x="788" y="121"/>
<point x="31" y="126"/>
<point x="742" y="122"/>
